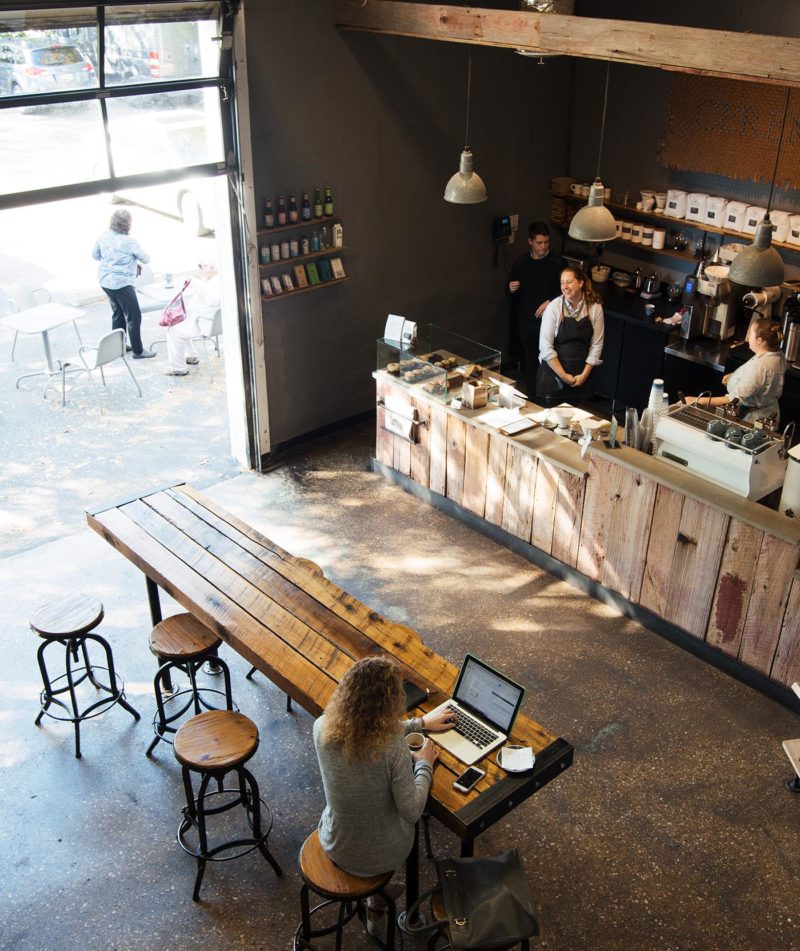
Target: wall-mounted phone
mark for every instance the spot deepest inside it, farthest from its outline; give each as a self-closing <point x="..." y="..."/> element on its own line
<point x="501" y="228"/>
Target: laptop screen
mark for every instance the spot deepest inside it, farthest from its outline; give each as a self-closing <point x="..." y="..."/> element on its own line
<point x="490" y="694"/>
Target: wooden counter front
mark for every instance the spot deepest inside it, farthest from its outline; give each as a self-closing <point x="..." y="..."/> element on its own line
<point x="709" y="563"/>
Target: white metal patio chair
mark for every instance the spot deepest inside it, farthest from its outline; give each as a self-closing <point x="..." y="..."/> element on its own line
<point x="210" y="327"/>
<point x="110" y="347"/>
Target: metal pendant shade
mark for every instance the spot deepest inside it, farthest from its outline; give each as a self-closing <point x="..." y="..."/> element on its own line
<point x="466" y="186"/>
<point x="594" y="222"/>
<point x="760" y="265"/>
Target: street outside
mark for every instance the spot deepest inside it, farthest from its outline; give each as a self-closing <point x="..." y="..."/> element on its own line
<point x="105" y="443"/>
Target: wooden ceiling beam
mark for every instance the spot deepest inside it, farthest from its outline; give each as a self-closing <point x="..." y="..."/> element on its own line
<point x="748" y="56"/>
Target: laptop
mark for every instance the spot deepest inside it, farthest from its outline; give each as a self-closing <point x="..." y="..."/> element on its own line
<point x="487" y="704"/>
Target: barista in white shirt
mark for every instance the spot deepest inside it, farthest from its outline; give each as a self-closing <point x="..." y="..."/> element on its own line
<point x="757" y="384"/>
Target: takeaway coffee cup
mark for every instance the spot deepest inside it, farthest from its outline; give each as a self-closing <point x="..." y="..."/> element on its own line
<point x="414" y="741"/>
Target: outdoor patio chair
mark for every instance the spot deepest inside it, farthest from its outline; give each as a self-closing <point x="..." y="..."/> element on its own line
<point x="210" y="328"/>
<point x="17" y="297"/>
<point x="110" y="347"/>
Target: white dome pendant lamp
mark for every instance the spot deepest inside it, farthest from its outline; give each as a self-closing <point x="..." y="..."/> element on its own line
<point x="760" y="265"/>
<point x="466" y="186"/>
<point x="594" y="222"/>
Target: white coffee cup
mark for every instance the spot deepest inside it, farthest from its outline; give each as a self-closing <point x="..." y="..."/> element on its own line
<point x="575" y="188"/>
<point x="661" y="200"/>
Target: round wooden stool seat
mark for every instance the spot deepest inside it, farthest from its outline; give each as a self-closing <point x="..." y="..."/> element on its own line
<point x="216" y="740"/>
<point x="67" y="617"/>
<point x="182" y="637"/>
<point x="331" y="881"/>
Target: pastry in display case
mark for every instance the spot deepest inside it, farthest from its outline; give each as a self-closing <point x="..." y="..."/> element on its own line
<point x="439" y="361"/>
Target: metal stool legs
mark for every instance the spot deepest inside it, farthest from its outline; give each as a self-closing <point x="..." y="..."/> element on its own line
<point x="249" y="676"/>
<point x="76" y="650"/>
<point x="348" y="909"/>
<point x="198" y="809"/>
<point x="194" y="696"/>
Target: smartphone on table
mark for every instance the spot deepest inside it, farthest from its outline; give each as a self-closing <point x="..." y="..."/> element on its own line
<point x="468" y="779"/>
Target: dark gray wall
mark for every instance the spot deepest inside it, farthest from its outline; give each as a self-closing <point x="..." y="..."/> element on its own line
<point x="381" y="119"/>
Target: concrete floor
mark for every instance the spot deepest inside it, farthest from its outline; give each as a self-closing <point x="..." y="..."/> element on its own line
<point x="672" y="830"/>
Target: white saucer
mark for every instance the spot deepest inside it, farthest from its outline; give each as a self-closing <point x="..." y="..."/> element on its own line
<point x="562" y="430"/>
<point x="500" y="762"/>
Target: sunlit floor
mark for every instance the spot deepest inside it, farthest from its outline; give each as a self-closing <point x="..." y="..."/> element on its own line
<point x="672" y="830"/>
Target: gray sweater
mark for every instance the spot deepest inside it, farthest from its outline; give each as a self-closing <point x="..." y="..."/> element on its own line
<point x="367" y="826"/>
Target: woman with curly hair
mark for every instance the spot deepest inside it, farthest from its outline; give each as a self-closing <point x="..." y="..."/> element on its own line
<point x="375" y="788"/>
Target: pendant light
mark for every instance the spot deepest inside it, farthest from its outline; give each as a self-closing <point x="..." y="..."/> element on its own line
<point x="594" y="222"/>
<point x="760" y="265"/>
<point x="466" y="186"/>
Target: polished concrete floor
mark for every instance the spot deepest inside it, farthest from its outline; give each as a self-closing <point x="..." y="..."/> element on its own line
<point x="672" y="830"/>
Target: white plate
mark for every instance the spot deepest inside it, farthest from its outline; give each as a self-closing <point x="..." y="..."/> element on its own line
<point x="500" y="763"/>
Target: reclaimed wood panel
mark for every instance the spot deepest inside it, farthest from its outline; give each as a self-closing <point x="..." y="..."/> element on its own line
<point x="601" y="485"/>
<point x="699" y="540"/>
<point x="476" y="467"/>
<point x="402" y="455"/>
<point x="456" y="458"/>
<point x="567" y="521"/>
<point x="438" y="450"/>
<point x="421" y="452"/>
<point x="496" y="480"/>
<point x="628" y="531"/>
<point x="786" y="667"/>
<point x="661" y="550"/>
<point x="384" y="441"/>
<point x="777" y="561"/>
<point x="734" y="587"/>
<point x="518" y="506"/>
<point x="545" y="494"/>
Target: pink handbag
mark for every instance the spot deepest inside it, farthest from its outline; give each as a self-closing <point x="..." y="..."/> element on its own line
<point x="175" y="311"/>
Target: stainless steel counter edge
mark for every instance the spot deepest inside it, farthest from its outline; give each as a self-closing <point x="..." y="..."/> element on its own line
<point x="760" y="517"/>
<point x="558" y="450"/>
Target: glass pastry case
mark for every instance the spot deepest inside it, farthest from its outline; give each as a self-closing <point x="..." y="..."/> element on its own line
<point x="438" y="361"/>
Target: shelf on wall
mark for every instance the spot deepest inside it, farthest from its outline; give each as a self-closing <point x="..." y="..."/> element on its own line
<point x="290" y="262"/>
<point x="302" y="290"/>
<point x="310" y="223"/>
<point x="670" y="222"/>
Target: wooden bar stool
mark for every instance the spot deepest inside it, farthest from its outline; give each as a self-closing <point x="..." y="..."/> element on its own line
<point x="214" y="744"/>
<point x="182" y="643"/>
<point x="336" y="886"/>
<point x="68" y="622"/>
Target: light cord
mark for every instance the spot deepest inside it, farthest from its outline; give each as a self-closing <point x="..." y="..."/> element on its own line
<point x="469" y="88"/>
<point x="778" y="153"/>
<point x="603" y="121"/>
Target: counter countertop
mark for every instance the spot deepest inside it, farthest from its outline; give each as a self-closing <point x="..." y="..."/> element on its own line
<point x="565" y="454"/>
<point x="630" y="307"/>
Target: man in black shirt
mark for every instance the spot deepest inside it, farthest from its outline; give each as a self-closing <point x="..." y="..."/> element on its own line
<point x="534" y="281"/>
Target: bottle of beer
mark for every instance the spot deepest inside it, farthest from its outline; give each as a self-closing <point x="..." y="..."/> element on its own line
<point x="315" y="241"/>
<point x="293" y="215"/>
<point x="269" y="215"/>
<point x="317" y="204"/>
<point x="328" y="201"/>
<point x="306" y="208"/>
<point x="281" y="210"/>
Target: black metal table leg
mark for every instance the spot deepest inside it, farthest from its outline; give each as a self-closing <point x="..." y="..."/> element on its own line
<point x="467" y="848"/>
<point x="156" y="617"/>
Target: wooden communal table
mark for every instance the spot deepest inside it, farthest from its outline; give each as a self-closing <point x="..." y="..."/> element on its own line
<point x="304" y="632"/>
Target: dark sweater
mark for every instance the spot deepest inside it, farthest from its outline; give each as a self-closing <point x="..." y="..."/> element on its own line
<point x="539" y="281"/>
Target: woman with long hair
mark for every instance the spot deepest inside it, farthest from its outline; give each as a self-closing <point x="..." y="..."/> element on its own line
<point x="757" y="384"/>
<point x="375" y="787"/>
<point x="571" y="339"/>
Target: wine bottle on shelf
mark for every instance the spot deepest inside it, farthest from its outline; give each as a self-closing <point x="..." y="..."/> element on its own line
<point x="281" y="211"/>
<point x="317" y="204"/>
<point x="293" y="215"/>
<point x="269" y="215"/>
<point x="328" y="207"/>
<point x="305" y="212"/>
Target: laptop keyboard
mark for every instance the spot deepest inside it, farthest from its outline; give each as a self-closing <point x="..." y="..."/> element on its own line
<point x="472" y="730"/>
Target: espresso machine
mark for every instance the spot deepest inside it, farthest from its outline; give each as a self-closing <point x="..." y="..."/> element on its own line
<point x="713" y="300"/>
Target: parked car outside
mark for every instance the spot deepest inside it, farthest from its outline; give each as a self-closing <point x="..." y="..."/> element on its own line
<point x="28" y="69"/>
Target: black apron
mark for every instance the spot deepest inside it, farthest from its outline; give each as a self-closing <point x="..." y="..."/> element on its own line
<point x="572" y="343"/>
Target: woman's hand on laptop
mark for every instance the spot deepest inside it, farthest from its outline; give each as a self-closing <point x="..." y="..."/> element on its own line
<point x="428" y="752"/>
<point x="439" y="721"/>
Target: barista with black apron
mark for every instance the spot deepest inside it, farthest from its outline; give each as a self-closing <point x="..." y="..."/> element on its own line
<point x="571" y="340"/>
